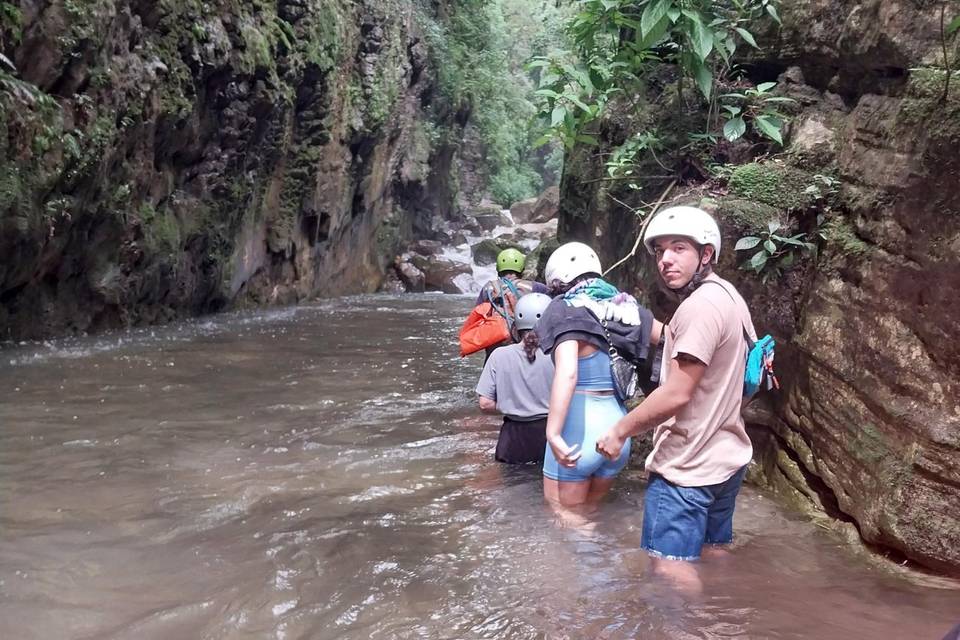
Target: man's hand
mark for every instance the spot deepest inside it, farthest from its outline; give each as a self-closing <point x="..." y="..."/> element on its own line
<point x="610" y="444"/>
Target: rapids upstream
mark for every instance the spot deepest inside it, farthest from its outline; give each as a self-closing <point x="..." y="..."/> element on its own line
<point x="323" y="472"/>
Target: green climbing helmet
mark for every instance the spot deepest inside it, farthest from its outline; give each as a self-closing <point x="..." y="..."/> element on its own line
<point x="510" y="260"/>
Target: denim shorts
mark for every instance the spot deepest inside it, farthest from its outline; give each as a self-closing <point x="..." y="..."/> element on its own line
<point x="678" y="521"/>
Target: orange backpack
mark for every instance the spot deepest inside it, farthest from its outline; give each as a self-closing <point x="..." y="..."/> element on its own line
<point x="489" y="324"/>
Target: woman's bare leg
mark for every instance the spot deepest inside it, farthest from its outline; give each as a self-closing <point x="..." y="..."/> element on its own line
<point x="568" y="501"/>
<point x="599" y="487"/>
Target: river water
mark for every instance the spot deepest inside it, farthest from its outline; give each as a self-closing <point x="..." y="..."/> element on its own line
<point x="322" y="472"/>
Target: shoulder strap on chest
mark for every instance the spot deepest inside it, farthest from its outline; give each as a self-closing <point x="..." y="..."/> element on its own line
<point x="743" y="326"/>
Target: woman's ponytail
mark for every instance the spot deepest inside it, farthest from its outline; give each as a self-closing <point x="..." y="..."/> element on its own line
<point x="531" y="342"/>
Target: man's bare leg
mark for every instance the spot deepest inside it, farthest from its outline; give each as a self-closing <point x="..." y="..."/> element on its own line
<point x="683" y="575"/>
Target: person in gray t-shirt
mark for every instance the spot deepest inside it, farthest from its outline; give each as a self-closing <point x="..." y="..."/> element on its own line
<point x="519" y="388"/>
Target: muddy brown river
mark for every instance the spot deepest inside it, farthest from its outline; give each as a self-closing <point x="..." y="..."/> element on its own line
<point x="323" y="472"/>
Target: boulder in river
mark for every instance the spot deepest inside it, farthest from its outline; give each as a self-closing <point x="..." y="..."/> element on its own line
<point x="439" y="274"/>
<point x="427" y="247"/>
<point x="522" y="211"/>
<point x="485" y="252"/>
<point x="548" y="205"/>
<point x="412" y="278"/>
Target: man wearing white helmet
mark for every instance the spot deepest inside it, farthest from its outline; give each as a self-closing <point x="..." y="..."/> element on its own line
<point x="517" y="384"/>
<point x="701" y="447"/>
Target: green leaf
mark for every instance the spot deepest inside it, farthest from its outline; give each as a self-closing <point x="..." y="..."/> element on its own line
<point x="773" y="226"/>
<point x="769" y="129"/>
<point x="758" y="260"/>
<point x="673" y="13"/>
<point x="702" y="39"/>
<point x="747" y="37"/>
<point x="763" y="87"/>
<point x="609" y="4"/>
<point x="654" y="35"/>
<point x="704" y="80"/>
<point x="952" y="27"/>
<point x="652" y="14"/>
<point x="734" y="128"/>
<point x="780" y="99"/>
<point x="770" y="246"/>
<point x="731" y="45"/>
<point x="575" y="100"/>
<point x="548" y="79"/>
<point x="772" y="10"/>
<point x="559" y="113"/>
<point x="722" y="49"/>
<point x="591" y="140"/>
<point x="746" y="242"/>
<point x="542" y="140"/>
<point x="547" y="93"/>
<point x="732" y="110"/>
<point x="739" y="96"/>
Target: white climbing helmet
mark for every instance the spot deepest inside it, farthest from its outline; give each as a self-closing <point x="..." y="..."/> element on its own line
<point x="690" y="222"/>
<point x="529" y="309"/>
<point x="569" y="261"/>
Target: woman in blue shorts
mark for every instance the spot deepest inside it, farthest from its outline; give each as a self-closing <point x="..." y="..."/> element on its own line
<point x="574" y="330"/>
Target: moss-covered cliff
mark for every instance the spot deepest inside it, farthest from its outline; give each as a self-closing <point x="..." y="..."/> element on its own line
<point x="866" y="428"/>
<point x="170" y="158"/>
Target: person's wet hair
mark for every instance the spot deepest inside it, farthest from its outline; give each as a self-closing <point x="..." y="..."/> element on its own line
<point x="531" y="342"/>
<point x="557" y="288"/>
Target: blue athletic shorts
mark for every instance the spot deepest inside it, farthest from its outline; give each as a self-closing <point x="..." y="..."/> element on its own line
<point x="588" y="418"/>
<point x="678" y="521"/>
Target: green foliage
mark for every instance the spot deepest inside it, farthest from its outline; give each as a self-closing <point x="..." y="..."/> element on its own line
<point x="509" y="185"/>
<point x="775" y="253"/>
<point x="11" y="20"/>
<point x="624" y="161"/>
<point x="160" y="229"/>
<point x="617" y="42"/>
<point x="480" y="49"/>
<point x="756" y="107"/>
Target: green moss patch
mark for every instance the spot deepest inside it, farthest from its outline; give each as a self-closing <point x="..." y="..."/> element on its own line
<point x="773" y="184"/>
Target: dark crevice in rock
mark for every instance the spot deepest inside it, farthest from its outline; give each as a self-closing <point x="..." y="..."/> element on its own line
<point x="815" y="483"/>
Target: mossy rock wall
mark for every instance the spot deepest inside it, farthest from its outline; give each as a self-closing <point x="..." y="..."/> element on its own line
<point x="866" y="428"/>
<point x="169" y="158"/>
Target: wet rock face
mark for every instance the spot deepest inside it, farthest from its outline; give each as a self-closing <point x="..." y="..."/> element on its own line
<point x="867" y="425"/>
<point x="201" y="155"/>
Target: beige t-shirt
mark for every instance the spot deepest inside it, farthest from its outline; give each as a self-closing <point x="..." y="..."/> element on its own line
<point x="706" y="442"/>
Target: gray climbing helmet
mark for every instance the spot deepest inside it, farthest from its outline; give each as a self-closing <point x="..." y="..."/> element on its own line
<point x="529" y="309"/>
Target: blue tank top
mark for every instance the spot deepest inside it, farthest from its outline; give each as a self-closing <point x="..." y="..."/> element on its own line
<point x="593" y="372"/>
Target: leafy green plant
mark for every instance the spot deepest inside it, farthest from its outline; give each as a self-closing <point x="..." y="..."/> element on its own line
<point x="570" y="100"/>
<point x="618" y="41"/>
<point x="823" y="189"/>
<point x="775" y="252"/>
<point x="625" y="161"/>
<point x="756" y="107"/>
<point x="480" y="49"/>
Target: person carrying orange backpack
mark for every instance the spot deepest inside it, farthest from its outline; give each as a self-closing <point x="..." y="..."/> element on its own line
<point x="491" y="323"/>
